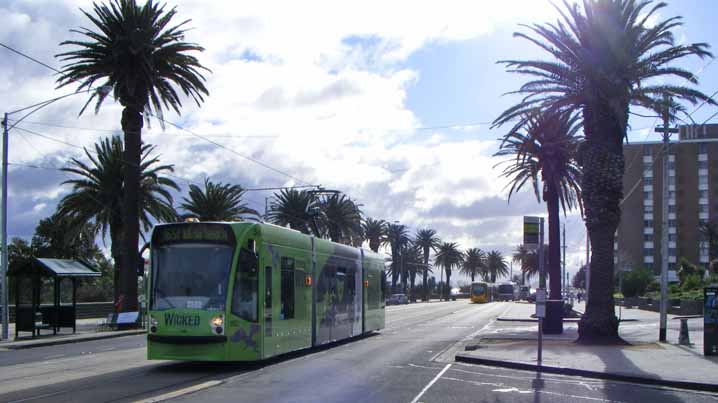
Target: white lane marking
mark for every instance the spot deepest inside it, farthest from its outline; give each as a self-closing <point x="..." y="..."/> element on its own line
<point x="180" y="392"/>
<point x="545" y="392"/>
<point x="491" y="322"/>
<point x="436" y="378"/>
<point x="49" y="357"/>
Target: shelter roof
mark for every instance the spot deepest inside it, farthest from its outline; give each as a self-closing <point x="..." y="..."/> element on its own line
<point x="62" y="268"/>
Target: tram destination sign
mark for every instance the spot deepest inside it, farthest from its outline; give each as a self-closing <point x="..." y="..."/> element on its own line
<point x="193" y="232"/>
<point x="531" y="232"/>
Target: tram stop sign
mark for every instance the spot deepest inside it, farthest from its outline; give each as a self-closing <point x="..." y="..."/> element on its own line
<point x="531" y="232"/>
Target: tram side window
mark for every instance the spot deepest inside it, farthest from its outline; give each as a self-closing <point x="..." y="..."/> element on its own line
<point x="350" y="282"/>
<point x="244" y="298"/>
<point x="287" y="288"/>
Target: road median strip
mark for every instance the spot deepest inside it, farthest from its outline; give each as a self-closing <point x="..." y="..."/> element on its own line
<point x="705" y="387"/>
<point x="26" y="344"/>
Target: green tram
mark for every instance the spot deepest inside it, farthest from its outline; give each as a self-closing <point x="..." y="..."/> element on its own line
<point x="246" y="291"/>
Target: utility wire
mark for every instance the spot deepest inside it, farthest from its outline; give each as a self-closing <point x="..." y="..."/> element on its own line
<point x="118" y="131"/>
<point x="29" y="57"/>
<point x="162" y="119"/>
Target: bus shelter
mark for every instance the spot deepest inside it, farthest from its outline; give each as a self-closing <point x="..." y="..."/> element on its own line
<point x="32" y="316"/>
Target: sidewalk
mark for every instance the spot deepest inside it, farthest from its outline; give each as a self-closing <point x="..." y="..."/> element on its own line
<point x="86" y="331"/>
<point x="644" y="360"/>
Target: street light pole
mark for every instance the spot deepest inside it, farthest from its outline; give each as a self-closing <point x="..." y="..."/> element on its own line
<point x="4" y="293"/>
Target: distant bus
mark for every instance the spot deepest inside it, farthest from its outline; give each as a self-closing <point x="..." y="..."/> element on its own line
<point x="506" y="292"/>
<point x="481" y="293"/>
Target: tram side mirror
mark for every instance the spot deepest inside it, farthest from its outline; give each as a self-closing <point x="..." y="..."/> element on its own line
<point x="248" y="261"/>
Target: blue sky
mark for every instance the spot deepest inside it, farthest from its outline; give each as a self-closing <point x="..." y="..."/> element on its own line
<point x="381" y="105"/>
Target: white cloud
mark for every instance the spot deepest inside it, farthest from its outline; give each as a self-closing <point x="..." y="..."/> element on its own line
<point x="328" y="78"/>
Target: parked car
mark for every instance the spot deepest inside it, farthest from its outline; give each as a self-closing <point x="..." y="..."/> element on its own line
<point x="397" y="299"/>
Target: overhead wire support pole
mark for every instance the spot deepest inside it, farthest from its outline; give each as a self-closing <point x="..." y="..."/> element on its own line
<point x="5" y="283"/>
<point x="563" y="275"/>
<point x="666" y="130"/>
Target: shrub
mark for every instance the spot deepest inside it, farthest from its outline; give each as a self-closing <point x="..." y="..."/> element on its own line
<point x="635" y="282"/>
<point x="654" y="286"/>
<point x="691" y="282"/>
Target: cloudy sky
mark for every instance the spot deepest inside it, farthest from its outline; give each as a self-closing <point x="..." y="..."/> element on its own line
<point x="389" y="102"/>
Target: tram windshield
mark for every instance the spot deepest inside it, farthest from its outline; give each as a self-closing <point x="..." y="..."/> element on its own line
<point x="478" y="289"/>
<point x="191" y="276"/>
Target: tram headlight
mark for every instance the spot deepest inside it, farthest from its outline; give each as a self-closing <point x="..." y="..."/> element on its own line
<point x="153" y="321"/>
<point x="217" y="321"/>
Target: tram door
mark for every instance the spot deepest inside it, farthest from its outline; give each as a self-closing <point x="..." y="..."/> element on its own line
<point x="268" y="296"/>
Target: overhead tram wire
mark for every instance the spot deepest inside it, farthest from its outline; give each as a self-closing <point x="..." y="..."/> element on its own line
<point x="119" y="131"/>
<point x="169" y="122"/>
<point x="162" y="119"/>
<point x="185" y="129"/>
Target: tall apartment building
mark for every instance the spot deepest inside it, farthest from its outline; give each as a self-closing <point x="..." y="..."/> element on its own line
<point x="692" y="199"/>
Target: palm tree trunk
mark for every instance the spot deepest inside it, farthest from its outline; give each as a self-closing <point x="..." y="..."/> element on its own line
<point x="132" y="127"/>
<point x="554" y="244"/>
<point x="426" y="274"/>
<point x="448" y="283"/>
<point x="601" y="157"/>
<point x="554" y="310"/>
<point x="412" y="280"/>
<point x="116" y="240"/>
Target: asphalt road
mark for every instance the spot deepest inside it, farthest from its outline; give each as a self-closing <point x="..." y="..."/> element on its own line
<point x="409" y="361"/>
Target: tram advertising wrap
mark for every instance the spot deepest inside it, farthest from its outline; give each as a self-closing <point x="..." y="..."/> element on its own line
<point x="250" y="291"/>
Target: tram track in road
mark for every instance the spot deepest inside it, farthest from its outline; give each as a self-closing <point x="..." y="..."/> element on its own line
<point x="124" y="375"/>
<point x="129" y="384"/>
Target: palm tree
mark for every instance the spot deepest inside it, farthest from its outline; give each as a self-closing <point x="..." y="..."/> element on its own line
<point x="545" y="145"/>
<point x="397" y="237"/>
<point x="218" y="202"/>
<point x="427" y="240"/>
<point x="340" y="219"/>
<point x="135" y="52"/>
<point x="412" y="261"/>
<point x="294" y="208"/>
<point x="97" y="194"/>
<point x="521" y="255"/>
<point x="607" y="56"/>
<point x="474" y="263"/>
<point x="374" y="232"/>
<point x="496" y="265"/>
<point x="530" y="267"/>
<point x="448" y="256"/>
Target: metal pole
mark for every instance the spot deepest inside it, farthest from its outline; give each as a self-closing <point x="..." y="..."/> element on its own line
<point x="542" y="284"/>
<point x="563" y="276"/>
<point x="5" y="291"/>
<point x="664" y="223"/>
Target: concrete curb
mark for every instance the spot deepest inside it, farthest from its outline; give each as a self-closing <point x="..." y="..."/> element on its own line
<point x="568" y="320"/>
<point x="705" y="387"/>
<point x="69" y="340"/>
